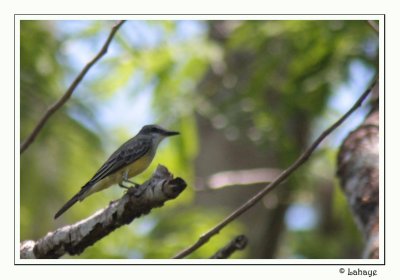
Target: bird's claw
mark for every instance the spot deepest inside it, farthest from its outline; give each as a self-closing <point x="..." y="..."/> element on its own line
<point x="135" y="189"/>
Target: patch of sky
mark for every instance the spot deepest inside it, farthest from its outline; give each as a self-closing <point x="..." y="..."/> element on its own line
<point x="344" y="96"/>
<point x="68" y="27"/>
<point x="371" y="47"/>
<point x="144" y="226"/>
<point x="301" y="216"/>
<point x="135" y="254"/>
<point x="78" y="50"/>
<point x="151" y="34"/>
<point x="127" y="111"/>
<point x="124" y="109"/>
<point x="143" y="34"/>
<point x="189" y="29"/>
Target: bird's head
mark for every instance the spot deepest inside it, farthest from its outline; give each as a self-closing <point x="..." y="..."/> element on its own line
<point x="156" y="132"/>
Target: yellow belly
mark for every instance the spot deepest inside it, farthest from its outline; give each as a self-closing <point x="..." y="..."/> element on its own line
<point x="133" y="169"/>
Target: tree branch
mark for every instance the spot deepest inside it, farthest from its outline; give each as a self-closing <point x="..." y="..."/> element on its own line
<point x="284" y="175"/>
<point x="70" y="90"/>
<point x="238" y="243"/>
<point x="74" y="239"/>
<point x="373" y="25"/>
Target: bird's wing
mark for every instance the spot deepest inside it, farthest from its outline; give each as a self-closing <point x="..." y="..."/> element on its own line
<point x="125" y="155"/>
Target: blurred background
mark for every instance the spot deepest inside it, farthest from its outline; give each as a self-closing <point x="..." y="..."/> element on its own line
<point x="247" y="96"/>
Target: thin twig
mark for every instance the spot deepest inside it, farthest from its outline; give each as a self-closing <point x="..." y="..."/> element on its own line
<point x="238" y="243"/>
<point x="70" y="90"/>
<point x="373" y="25"/>
<point x="285" y="174"/>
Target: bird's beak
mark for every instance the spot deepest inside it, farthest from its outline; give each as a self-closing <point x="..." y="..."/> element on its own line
<point x="170" y="133"/>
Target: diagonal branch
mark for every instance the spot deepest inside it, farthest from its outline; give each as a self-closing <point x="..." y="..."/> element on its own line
<point x="70" y="90"/>
<point x="74" y="239"/>
<point x="284" y="175"/>
<point x="373" y="25"/>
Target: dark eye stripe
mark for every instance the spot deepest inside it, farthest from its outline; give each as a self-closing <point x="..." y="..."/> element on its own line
<point x="156" y="129"/>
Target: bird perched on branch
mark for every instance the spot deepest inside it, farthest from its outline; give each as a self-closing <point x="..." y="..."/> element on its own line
<point x="129" y="160"/>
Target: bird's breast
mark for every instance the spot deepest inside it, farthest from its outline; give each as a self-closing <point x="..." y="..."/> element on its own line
<point x="138" y="166"/>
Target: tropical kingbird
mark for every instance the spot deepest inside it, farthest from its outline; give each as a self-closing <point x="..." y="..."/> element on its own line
<point x="131" y="159"/>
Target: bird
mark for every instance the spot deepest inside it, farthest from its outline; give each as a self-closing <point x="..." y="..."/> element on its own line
<point x="129" y="160"/>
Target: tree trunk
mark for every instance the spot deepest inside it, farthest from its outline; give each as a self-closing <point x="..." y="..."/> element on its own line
<point x="358" y="171"/>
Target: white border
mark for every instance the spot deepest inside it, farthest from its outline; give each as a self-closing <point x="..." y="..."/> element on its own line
<point x="347" y="262"/>
<point x="382" y="140"/>
<point x="198" y="17"/>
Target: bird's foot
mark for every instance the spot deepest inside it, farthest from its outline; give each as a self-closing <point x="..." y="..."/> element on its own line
<point x="130" y="182"/>
<point x="135" y="189"/>
<point x="123" y="186"/>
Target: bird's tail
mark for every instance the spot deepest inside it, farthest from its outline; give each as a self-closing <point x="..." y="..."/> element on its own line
<point x="72" y="201"/>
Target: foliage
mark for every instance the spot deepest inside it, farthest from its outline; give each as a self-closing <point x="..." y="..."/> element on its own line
<point x="263" y="82"/>
<point x="47" y="167"/>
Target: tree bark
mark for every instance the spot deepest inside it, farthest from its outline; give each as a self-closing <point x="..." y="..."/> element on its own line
<point x="358" y="171"/>
<point x="74" y="239"/>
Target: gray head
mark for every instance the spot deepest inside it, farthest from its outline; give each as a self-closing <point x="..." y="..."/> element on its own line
<point x="156" y="132"/>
